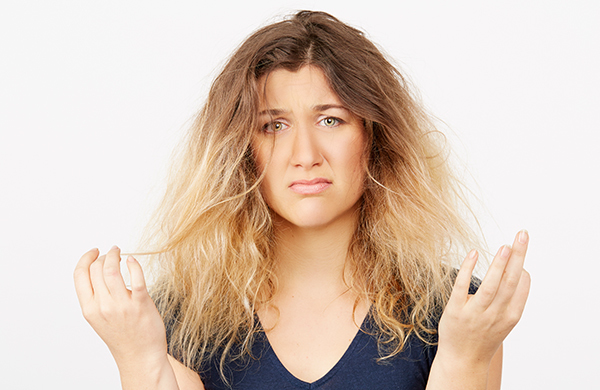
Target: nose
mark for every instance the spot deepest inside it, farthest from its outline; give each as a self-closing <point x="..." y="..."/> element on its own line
<point x="306" y="152"/>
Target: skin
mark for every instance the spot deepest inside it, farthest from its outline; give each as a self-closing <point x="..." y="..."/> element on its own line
<point x="473" y="327"/>
<point x="309" y="134"/>
<point x="128" y="322"/>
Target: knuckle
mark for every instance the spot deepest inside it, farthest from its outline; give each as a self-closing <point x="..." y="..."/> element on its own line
<point x="139" y="289"/>
<point x="111" y="271"/>
<point x="89" y="314"/>
<point x="107" y="311"/>
<point x="486" y="293"/>
<point x="519" y="249"/>
<point x="513" y="318"/>
<point x="512" y="282"/>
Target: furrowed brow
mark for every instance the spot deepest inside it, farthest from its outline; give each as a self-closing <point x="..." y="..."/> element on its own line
<point x="318" y="107"/>
<point x="325" y="107"/>
<point x="272" y="112"/>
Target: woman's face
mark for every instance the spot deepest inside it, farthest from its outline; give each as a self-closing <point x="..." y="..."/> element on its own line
<point x="312" y="149"/>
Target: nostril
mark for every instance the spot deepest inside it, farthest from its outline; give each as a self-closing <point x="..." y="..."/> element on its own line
<point x="305" y="150"/>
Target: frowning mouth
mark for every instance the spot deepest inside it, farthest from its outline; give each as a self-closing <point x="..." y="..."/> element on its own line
<point x="310" y="187"/>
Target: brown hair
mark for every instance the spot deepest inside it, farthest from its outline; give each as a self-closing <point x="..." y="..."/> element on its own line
<point x="213" y="232"/>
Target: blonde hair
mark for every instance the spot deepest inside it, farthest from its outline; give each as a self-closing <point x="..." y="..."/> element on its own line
<point x="212" y="235"/>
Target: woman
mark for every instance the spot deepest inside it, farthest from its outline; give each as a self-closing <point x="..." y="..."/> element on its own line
<point x="308" y="238"/>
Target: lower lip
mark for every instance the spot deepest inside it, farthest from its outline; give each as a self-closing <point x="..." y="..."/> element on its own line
<point x="309" y="189"/>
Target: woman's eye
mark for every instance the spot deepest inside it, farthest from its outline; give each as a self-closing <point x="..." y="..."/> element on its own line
<point x="330" y="122"/>
<point x="274" y="127"/>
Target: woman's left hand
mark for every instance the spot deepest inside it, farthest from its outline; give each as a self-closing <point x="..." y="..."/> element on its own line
<point x="473" y="327"/>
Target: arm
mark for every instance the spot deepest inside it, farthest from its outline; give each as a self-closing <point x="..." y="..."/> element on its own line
<point x="495" y="372"/>
<point x="473" y="327"/>
<point x="187" y="379"/>
<point x="129" y="323"/>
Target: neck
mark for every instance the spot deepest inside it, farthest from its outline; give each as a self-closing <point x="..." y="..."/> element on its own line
<point x="314" y="259"/>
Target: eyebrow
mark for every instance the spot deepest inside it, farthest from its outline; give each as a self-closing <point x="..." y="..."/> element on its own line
<point x="318" y="107"/>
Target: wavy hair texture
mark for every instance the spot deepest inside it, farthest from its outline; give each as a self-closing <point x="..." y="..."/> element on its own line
<point x="212" y="237"/>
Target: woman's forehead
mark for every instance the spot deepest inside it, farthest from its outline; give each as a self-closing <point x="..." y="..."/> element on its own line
<point x="308" y="86"/>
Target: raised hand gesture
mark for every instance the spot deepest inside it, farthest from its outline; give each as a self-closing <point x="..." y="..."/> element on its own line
<point x="127" y="320"/>
<point x="473" y="327"/>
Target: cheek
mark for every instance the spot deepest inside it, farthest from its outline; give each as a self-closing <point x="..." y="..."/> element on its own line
<point x="258" y="153"/>
<point x="354" y="158"/>
<point x="264" y="166"/>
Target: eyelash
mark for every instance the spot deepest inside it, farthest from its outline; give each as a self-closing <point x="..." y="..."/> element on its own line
<point x="338" y="121"/>
<point x="268" y="127"/>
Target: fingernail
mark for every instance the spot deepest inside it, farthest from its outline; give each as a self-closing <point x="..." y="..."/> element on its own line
<point x="505" y="251"/>
<point x="523" y="236"/>
<point x="114" y="247"/>
<point x="473" y="254"/>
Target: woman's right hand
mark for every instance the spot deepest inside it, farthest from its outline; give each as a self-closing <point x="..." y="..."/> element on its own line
<point x="127" y="320"/>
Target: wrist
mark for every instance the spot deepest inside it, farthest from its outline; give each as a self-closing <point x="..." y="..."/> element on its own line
<point x="465" y="353"/>
<point x="451" y="372"/>
<point x="462" y="362"/>
<point x="149" y="372"/>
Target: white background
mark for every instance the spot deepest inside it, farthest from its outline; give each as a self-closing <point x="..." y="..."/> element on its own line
<point x="94" y="95"/>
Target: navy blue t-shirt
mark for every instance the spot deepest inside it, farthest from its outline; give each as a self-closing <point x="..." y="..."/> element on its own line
<point x="357" y="369"/>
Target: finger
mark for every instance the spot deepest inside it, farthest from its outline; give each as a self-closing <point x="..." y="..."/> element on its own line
<point x="112" y="273"/>
<point x="519" y="298"/>
<point x="97" y="278"/>
<point x="517" y="258"/>
<point x="514" y="269"/>
<point x="81" y="276"/>
<point x="491" y="282"/>
<point x="460" y="292"/>
<point x="138" y="283"/>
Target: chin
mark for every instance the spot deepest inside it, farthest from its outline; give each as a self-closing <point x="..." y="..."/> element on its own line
<point x="314" y="214"/>
<point x="313" y="224"/>
<point x="304" y="222"/>
<point x="317" y="219"/>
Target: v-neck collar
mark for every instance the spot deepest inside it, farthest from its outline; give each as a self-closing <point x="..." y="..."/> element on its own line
<point x="360" y="338"/>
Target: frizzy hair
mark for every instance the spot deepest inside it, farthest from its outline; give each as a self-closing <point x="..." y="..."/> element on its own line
<point x="212" y="237"/>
